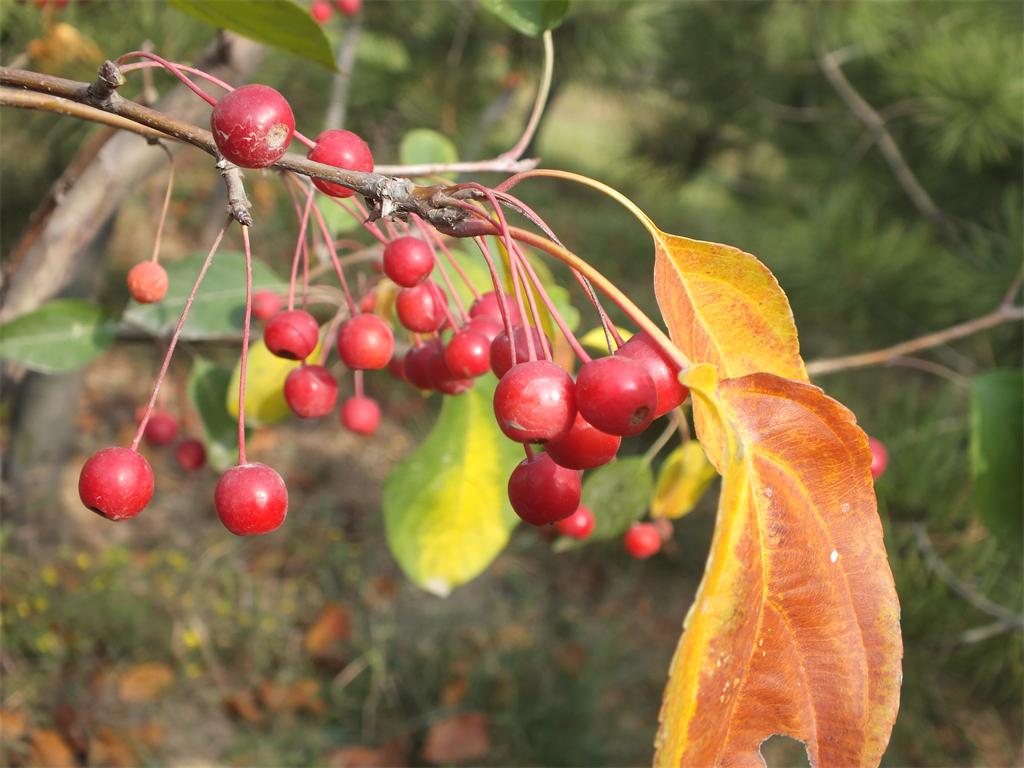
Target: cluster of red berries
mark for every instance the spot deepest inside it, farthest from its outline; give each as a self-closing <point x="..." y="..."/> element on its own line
<point x="322" y="10"/>
<point x="579" y="423"/>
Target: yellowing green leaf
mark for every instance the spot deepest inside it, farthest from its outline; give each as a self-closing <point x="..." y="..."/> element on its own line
<point x="682" y="480"/>
<point x="264" y="385"/>
<point x="596" y="340"/>
<point x="446" y="507"/>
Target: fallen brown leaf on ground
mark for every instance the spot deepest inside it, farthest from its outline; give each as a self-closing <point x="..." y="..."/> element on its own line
<point x="109" y="750"/>
<point x="458" y="739"/>
<point x="390" y="755"/>
<point x="50" y="750"/>
<point x="243" y="705"/>
<point x="12" y="725"/>
<point x="144" y="682"/>
<point x="331" y="628"/>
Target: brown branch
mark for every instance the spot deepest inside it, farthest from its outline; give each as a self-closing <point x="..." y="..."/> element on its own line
<point x="831" y="66"/>
<point x="1004" y="313"/>
<point x="12" y="97"/>
<point x="387" y="195"/>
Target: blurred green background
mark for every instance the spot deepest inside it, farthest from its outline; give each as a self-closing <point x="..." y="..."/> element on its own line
<point x="168" y="642"/>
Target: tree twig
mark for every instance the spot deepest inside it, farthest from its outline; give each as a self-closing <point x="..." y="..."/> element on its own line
<point x="346" y="58"/>
<point x="386" y="194"/>
<point x="1002" y="314"/>
<point x="831" y="66"/>
<point x="938" y="567"/>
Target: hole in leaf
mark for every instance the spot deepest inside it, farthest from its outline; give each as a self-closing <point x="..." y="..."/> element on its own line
<point x="784" y="752"/>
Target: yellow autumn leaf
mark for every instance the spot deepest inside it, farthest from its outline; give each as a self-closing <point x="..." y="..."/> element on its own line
<point x="446" y="508"/>
<point x="682" y="481"/>
<point x="264" y="385"/>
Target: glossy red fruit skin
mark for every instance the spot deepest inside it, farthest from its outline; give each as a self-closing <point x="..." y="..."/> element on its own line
<point x="365" y="342"/>
<point x="342" y="149"/>
<point x="116" y="483"/>
<point x="535" y="402"/>
<point x="616" y="395"/>
<point x="360" y="415"/>
<point x="442" y="379"/>
<point x="147" y="282"/>
<point x="252" y="126"/>
<point x="408" y="261"/>
<point x="291" y="334"/>
<point x="487" y="326"/>
<point x="642" y="540"/>
<point x="417" y="364"/>
<point x="542" y="492"/>
<point x="879" y="457"/>
<point x="191" y="455"/>
<point x="321" y="11"/>
<point x="664" y="372"/>
<point x="501" y="350"/>
<point x="161" y="429"/>
<point x="251" y="499"/>
<point x="349" y="7"/>
<point x="578" y="525"/>
<point x="584" y="446"/>
<point x="421" y="308"/>
<point x="265" y="304"/>
<point x="310" y="391"/>
<point x="468" y="354"/>
<point x="488" y="305"/>
<point x="368" y="302"/>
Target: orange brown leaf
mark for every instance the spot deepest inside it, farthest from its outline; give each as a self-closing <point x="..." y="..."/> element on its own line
<point x="795" y="628"/>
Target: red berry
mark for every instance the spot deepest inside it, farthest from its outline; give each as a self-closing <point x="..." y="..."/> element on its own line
<point x="441" y="377"/>
<point x="191" y="455"/>
<point x="365" y="342"/>
<point x="147" y="282"/>
<point x="252" y="126"/>
<point x="396" y="367"/>
<point x="501" y="350"/>
<point x="368" y="302"/>
<point x="417" y="364"/>
<point x="342" y="149"/>
<point x="468" y="354"/>
<point x="535" y="402"/>
<point x="310" y="391"/>
<point x="584" y="446"/>
<point x="542" y="492"/>
<point x="879" y="457"/>
<point x="265" y="304"/>
<point x="116" y="483"/>
<point x="360" y="415"/>
<point x="489" y="327"/>
<point x="161" y="429"/>
<point x="616" y="395"/>
<point x="321" y="11"/>
<point x="251" y="499"/>
<point x="642" y="348"/>
<point x="292" y="334"/>
<point x="642" y="540"/>
<point x="408" y="261"/>
<point x="422" y="307"/>
<point x="488" y="305"/>
<point x="578" y="525"/>
<point x="349" y="7"/>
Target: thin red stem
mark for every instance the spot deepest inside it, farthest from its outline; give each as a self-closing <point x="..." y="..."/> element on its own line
<point x="303" y="222"/>
<point x="499" y="291"/>
<point x="432" y="237"/>
<point x="334" y="259"/>
<point x="174" y="337"/>
<point x="556" y="316"/>
<point x="174" y="69"/>
<point x="246" y="328"/>
<point x="358" y="377"/>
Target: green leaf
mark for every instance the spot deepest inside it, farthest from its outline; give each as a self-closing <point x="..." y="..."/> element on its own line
<point x="423" y="146"/>
<point x="59" y="336"/>
<point x="337" y="219"/>
<point x="997" y="436"/>
<point x="618" y="494"/>
<point x="219" y="307"/>
<point x="279" y="23"/>
<point x="531" y="17"/>
<point x="446" y="508"/>
<point x="207" y="391"/>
